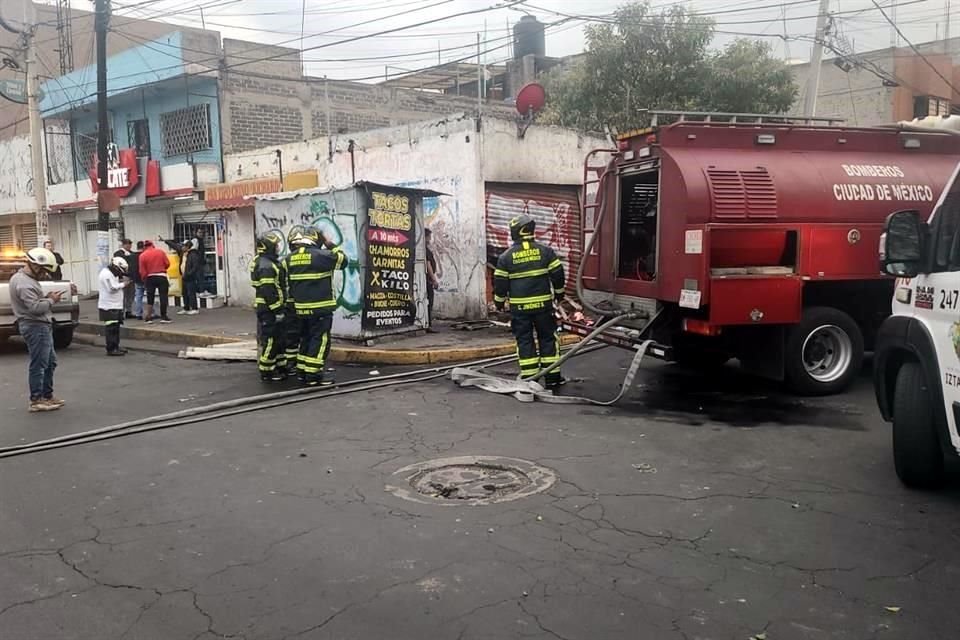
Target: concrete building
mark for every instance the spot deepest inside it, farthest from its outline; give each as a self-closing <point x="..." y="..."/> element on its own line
<point x="164" y="121"/>
<point x="853" y="87"/>
<point x="489" y="172"/>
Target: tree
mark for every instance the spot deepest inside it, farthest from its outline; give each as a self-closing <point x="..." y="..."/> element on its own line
<point x="647" y="59"/>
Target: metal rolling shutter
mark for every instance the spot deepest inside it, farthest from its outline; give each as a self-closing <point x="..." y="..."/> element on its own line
<point x="7" y="242"/>
<point x="556" y="208"/>
<point x="28" y="236"/>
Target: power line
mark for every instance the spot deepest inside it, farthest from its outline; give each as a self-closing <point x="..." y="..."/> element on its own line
<point x="915" y="50"/>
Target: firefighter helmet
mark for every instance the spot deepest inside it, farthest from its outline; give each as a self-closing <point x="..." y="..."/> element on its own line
<point x="522" y="227"/>
<point x="269" y="243"/>
<point x="295" y="236"/>
<point x="311" y="235"/>
<point x="42" y="258"/>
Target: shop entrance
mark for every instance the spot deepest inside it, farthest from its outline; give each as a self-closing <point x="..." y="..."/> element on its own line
<point x="208" y="231"/>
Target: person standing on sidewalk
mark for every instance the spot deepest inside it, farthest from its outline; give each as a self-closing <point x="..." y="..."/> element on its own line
<point x="126" y="252"/>
<point x="310" y="270"/>
<point x="266" y="276"/>
<point x="191" y="269"/>
<point x="434" y="274"/>
<point x="56" y="274"/>
<point x="153" y="268"/>
<point x="138" y="289"/>
<point x="113" y="283"/>
<point x="33" y="311"/>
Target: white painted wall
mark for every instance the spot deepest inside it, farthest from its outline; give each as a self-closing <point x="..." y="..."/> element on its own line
<point x="448" y="156"/>
<point x="16" y="176"/>
<point x="239" y="247"/>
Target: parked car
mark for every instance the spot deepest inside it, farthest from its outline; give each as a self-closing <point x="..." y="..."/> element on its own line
<point x="66" y="313"/>
<point x="917" y="361"/>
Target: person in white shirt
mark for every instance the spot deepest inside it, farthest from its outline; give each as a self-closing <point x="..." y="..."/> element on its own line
<point x="112" y="282"/>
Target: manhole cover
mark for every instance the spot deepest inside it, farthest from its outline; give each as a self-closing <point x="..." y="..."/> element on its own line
<point x="470" y="480"/>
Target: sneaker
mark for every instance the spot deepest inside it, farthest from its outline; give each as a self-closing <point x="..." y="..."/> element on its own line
<point x="55" y="401"/>
<point x="42" y="405"/>
<point x="192" y="312"/>
<point x="165" y="321"/>
<point x="150" y="321"/>
<point x="182" y="312"/>
<point x="118" y="352"/>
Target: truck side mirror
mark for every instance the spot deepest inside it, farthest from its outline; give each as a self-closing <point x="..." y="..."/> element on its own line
<point x="903" y="244"/>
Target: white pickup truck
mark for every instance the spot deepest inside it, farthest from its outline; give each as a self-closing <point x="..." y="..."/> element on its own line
<point x="66" y="313"/>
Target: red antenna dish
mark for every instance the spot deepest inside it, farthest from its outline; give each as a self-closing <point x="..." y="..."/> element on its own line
<point x="531" y="98"/>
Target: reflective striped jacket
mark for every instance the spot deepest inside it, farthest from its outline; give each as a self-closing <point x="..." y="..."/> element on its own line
<point x="310" y="279"/>
<point x="528" y="274"/>
<point x="266" y="276"/>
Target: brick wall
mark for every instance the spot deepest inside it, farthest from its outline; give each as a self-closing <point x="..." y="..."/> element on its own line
<point x="271" y="102"/>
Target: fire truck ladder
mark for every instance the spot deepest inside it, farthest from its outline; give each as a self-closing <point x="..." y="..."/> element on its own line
<point x="719" y="117"/>
<point x="529" y="389"/>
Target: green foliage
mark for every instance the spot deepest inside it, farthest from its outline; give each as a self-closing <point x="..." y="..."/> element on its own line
<point x="649" y="59"/>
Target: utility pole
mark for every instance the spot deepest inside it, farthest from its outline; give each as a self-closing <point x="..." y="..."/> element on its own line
<point x="816" y="61"/>
<point x="36" y="140"/>
<point x="101" y="22"/>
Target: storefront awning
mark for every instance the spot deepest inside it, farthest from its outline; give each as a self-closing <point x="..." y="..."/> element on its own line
<point x="237" y="194"/>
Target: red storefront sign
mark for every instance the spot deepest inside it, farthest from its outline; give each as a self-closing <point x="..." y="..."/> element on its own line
<point x="123" y="172"/>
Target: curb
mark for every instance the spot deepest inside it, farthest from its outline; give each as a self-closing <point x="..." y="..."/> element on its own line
<point x="349" y="355"/>
<point x="144" y="333"/>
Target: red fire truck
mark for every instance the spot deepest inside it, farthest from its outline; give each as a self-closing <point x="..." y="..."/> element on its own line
<point x="754" y="237"/>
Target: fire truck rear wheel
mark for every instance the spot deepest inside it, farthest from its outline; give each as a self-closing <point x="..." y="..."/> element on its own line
<point x="824" y="352"/>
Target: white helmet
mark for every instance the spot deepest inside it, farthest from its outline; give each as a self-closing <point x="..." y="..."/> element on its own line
<point x="120" y="263"/>
<point x="42" y="258"/>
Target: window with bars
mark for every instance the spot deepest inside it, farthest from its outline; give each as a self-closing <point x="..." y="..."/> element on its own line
<point x="186" y="130"/>
<point x="85" y="145"/>
<point x="138" y="137"/>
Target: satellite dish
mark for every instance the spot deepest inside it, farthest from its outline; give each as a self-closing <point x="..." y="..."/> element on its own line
<point x="531" y="98"/>
<point x="17" y="16"/>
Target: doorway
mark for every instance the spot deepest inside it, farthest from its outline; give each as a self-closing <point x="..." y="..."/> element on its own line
<point x="209" y="233"/>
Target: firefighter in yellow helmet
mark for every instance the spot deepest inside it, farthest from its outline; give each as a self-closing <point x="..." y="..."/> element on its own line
<point x="267" y="278"/>
<point x="530" y="276"/>
<point x="291" y="323"/>
<point x="310" y="269"/>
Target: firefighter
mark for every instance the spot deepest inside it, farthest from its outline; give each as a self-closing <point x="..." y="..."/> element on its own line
<point x="530" y="276"/>
<point x="291" y="323"/>
<point x="266" y="276"/>
<point x="310" y="269"/>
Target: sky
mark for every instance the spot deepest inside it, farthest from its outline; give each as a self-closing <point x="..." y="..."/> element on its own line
<point x="448" y="28"/>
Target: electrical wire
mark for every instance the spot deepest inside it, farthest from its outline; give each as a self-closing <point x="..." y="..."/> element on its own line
<point x="912" y="46"/>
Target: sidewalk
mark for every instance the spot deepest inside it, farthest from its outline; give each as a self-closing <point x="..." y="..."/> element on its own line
<point x="233" y="324"/>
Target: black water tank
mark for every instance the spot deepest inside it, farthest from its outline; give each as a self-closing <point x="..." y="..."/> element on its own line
<point x="528" y="38"/>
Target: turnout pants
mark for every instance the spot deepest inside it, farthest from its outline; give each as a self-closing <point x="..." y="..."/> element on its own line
<point x="270" y="333"/>
<point x="291" y="337"/>
<point x="537" y="346"/>
<point x="111" y="319"/>
<point x="314" y="346"/>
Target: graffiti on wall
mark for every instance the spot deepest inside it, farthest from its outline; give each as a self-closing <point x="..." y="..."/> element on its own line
<point x="443" y="216"/>
<point x="320" y="211"/>
<point x="558" y="223"/>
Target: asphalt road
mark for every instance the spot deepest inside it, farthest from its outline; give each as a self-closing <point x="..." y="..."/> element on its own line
<point x="700" y="508"/>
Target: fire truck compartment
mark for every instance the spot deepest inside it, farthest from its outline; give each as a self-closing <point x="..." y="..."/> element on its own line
<point x="637" y="233"/>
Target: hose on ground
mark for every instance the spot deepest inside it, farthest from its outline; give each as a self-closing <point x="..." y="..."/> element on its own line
<point x="262" y="401"/>
<point x="243" y="405"/>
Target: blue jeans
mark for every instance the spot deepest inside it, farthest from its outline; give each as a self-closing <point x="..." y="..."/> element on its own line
<point x="43" y="358"/>
<point x="138" y="291"/>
